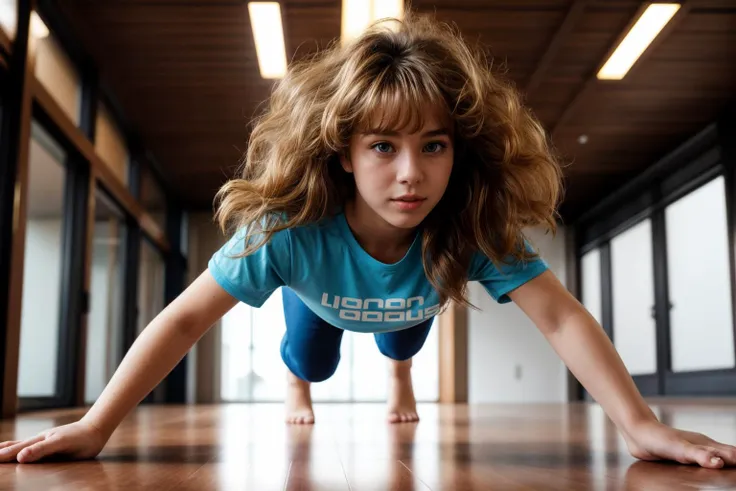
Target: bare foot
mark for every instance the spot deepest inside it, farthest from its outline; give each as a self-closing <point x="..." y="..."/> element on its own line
<point x="402" y="407"/>
<point x="298" y="401"/>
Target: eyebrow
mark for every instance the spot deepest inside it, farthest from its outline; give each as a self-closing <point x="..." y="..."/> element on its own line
<point x="437" y="132"/>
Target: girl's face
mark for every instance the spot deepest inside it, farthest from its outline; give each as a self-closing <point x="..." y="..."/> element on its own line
<point x="401" y="176"/>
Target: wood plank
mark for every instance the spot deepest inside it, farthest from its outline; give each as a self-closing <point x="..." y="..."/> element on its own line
<point x="247" y="446"/>
<point x="15" y="294"/>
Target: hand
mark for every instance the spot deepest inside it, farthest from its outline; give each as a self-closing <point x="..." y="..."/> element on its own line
<point x="652" y="440"/>
<point x="78" y="440"/>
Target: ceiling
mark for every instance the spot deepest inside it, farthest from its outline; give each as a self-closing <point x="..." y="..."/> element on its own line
<point x="186" y="74"/>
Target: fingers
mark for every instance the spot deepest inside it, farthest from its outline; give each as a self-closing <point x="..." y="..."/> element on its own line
<point x="702" y="455"/>
<point x="9" y="443"/>
<point x="725" y="452"/>
<point x="9" y="453"/>
<point x="39" y="450"/>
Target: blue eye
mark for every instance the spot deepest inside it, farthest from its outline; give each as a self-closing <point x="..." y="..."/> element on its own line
<point x="382" y="147"/>
<point x="435" y="147"/>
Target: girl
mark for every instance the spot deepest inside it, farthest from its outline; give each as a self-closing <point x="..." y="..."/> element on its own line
<point x="386" y="174"/>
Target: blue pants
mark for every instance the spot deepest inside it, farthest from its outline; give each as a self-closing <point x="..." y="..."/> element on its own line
<point x="311" y="347"/>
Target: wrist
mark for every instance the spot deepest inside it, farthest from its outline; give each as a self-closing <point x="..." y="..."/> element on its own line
<point x="105" y="429"/>
<point x="632" y="422"/>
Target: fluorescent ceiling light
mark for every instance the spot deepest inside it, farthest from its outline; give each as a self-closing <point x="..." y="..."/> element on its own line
<point x="268" y="34"/>
<point x="357" y="15"/>
<point x="38" y="28"/>
<point x="8" y="17"/>
<point x="646" y="28"/>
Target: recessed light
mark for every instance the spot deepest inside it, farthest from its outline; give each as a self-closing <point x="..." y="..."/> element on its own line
<point x="583" y="139"/>
<point x="641" y="35"/>
<point x="268" y="35"/>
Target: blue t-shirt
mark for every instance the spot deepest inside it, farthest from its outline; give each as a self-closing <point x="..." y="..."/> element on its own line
<point x="341" y="283"/>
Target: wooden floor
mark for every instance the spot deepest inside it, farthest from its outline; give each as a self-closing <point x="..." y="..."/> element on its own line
<point x="232" y="447"/>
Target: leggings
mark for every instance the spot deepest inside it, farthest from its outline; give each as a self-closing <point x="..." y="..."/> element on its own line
<point x="310" y="347"/>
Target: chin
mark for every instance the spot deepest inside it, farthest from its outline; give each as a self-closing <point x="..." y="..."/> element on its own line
<point x="405" y="220"/>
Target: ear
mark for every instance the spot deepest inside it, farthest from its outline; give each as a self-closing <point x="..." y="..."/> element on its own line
<point x="345" y="162"/>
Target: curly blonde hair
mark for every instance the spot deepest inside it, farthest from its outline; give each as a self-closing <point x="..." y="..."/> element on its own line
<point x="504" y="175"/>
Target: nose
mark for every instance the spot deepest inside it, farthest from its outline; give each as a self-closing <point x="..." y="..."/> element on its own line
<point x="409" y="169"/>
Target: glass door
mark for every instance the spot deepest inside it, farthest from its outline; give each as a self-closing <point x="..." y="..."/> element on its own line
<point x="699" y="281"/>
<point x="632" y="290"/>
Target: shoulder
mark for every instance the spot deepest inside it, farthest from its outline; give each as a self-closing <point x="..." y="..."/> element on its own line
<point x="501" y="277"/>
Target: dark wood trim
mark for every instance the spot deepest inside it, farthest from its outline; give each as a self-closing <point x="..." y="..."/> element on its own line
<point x="79" y="399"/>
<point x="606" y="290"/>
<point x="175" y="383"/>
<point x="592" y="82"/>
<point x="648" y="385"/>
<point x="6" y="45"/>
<point x="131" y="264"/>
<point x="573" y="281"/>
<point x="101" y="171"/>
<point x="726" y="132"/>
<point x="574" y="13"/>
<point x="705" y="383"/>
<point x="16" y="131"/>
<point x="662" y="305"/>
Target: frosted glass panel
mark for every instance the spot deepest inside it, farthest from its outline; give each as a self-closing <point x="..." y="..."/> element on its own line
<point x="591" y="276"/>
<point x="632" y="279"/>
<point x="701" y="323"/>
<point x="41" y="305"/>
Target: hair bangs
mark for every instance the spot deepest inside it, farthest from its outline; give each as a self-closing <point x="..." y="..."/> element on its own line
<point x="400" y="100"/>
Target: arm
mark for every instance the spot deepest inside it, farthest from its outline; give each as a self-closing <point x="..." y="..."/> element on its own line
<point x="161" y="345"/>
<point x="586" y="350"/>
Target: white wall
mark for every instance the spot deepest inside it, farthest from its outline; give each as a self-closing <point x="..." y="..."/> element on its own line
<point x="510" y="361"/>
<point x="39" y="336"/>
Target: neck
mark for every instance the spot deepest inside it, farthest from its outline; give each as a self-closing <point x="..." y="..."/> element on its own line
<point x="380" y="239"/>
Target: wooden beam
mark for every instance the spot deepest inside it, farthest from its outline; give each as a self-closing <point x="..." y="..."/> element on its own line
<point x="453" y="356"/>
<point x="592" y="82"/>
<point x="5" y="43"/>
<point x="574" y="13"/>
<point x="15" y="291"/>
<point x="99" y="168"/>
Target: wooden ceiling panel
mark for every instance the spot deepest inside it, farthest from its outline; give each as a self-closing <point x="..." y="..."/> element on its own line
<point x="187" y="77"/>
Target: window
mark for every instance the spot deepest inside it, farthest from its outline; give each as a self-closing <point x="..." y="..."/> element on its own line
<point x="632" y="283"/>
<point x="105" y="320"/>
<point x="110" y="143"/>
<point x="9" y="17"/>
<point x="42" y="273"/>
<point x="58" y="75"/>
<point x="252" y="369"/>
<point x="701" y="320"/>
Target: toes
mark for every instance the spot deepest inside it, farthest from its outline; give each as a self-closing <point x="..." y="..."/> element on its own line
<point x="394" y="418"/>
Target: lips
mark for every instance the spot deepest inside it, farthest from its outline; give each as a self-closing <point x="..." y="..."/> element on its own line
<point x="409" y="198"/>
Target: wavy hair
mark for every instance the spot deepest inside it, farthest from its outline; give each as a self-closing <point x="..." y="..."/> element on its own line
<point x="504" y="177"/>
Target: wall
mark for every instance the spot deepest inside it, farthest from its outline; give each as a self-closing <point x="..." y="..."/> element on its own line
<point x="510" y="361"/>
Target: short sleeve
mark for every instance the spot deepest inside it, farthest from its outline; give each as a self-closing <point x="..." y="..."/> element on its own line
<point x="513" y="273"/>
<point x="253" y="278"/>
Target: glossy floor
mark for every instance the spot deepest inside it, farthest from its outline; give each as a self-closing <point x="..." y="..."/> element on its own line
<point x="350" y="447"/>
